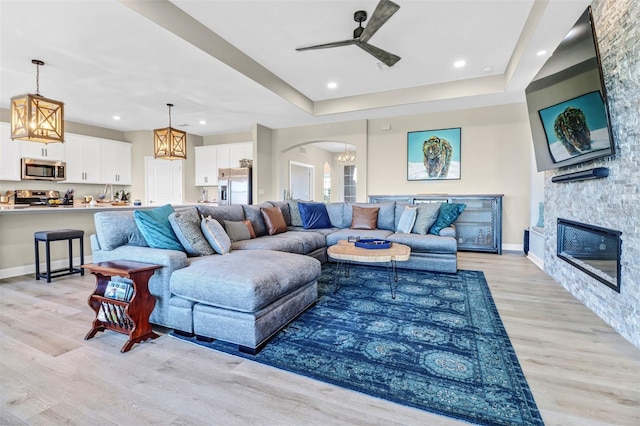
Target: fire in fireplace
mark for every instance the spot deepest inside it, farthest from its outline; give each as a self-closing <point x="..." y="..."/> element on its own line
<point x="592" y="249"/>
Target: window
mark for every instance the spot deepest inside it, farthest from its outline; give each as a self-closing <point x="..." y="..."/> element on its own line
<point x="326" y="183"/>
<point x="327" y="188"/>
<point x="350" y="180"/>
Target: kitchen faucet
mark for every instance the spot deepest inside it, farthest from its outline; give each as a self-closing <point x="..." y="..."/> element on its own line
<point x="104" y="191"/>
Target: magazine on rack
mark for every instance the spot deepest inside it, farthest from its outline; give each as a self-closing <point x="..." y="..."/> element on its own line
<point x="119" y="291"/>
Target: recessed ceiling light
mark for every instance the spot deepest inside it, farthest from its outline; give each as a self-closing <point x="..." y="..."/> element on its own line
<point x="203" y="122"/>
<point x="116" y="117"/>
<point x="332" y="85"/>
<point x="541" y="52"/>
<point x="459" y="64"/>
<point x="487" y="69"/>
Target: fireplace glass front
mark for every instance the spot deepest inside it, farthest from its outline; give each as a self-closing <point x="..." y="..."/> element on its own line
<point x="592" y="249"/>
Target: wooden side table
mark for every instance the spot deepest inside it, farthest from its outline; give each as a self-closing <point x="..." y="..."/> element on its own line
<point x="130" y="318"/>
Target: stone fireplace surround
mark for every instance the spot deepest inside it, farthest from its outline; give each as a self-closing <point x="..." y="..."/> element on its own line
<point x="612" y="202"/>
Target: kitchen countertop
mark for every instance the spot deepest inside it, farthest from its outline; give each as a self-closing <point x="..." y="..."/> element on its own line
<point x="79" y="207"/>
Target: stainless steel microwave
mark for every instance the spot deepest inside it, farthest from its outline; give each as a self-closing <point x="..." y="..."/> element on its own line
<point x="34" y="169"/>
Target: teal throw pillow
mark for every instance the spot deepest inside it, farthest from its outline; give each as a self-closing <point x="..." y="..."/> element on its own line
<point x="186" y="225"/>
<point x="448" y="214"/>
<point x="156" y="229"/>
<point x="314" y="215"/>
<point x="426" y="216"/>
<point x="407" y="219"/>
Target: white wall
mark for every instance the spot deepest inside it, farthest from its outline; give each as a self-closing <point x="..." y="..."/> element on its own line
<point x="496" y="159"/>
<point x="264" y="165"/>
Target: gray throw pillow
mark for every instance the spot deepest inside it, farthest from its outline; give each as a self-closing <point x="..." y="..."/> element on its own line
<point x="127" y="231"/>
<point x="215" y="235"/>
<point x="296" y="219"/>
<point x="427" y="215"/>
<point x="237" y="231"/>
<point x="186" y="226"/>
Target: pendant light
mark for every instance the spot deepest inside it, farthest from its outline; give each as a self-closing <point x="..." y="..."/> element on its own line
<point x="346" y="156"/>
<point x="35" y="118"/>
<point x="170" y="143"/>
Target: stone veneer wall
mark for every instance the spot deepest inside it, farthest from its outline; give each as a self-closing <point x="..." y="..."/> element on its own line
<point x="613" y="202"/>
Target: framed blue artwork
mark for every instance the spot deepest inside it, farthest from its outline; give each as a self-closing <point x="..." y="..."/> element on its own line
<point x="576" y="127"/>
<point x="433" y="154"/>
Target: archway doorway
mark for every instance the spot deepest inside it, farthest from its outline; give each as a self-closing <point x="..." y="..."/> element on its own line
<point x="301" y="181"/>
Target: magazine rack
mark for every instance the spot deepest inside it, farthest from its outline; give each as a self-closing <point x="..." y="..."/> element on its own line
<point x="130" y="318"/>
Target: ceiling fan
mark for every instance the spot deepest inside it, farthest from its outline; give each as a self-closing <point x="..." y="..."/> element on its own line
<point x="384" y="10"/>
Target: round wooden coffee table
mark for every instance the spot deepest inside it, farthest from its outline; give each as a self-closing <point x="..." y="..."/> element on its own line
<point x="345" y="252"/>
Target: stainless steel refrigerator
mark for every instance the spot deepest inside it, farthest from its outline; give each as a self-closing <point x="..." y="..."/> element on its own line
<point x="234" y="186"/>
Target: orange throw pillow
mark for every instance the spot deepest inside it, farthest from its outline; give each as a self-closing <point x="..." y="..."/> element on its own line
<point x="252" y="233"/>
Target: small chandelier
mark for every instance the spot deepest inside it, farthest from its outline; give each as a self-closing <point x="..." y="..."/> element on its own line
<point x="35" y="118"/>
<point x="170" y="143"/>
<point x="346" y="156"/>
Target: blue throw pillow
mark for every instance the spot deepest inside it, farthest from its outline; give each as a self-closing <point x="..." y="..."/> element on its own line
<point x="156" y="229"/>
<point x="314" y="215"/>
<point x="448" y="214"/>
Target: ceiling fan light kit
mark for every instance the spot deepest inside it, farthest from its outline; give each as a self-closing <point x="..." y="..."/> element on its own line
<point x="169" y="143"/>
<point x="384" y="10"/>
<point x="35" y="118"/>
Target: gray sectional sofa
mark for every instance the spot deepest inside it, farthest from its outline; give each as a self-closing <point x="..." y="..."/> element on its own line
<point x="249" y="294"/>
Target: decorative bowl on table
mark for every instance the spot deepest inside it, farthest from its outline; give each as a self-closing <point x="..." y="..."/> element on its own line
<point x="373" y="244"/>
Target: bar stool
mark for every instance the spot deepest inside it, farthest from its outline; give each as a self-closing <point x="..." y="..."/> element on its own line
<point x="58" y="235"/>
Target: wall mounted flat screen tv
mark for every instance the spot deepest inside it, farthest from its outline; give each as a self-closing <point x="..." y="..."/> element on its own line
<point x="568" y="112"/>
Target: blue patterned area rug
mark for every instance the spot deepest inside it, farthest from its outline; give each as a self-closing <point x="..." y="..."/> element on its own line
<point x="440" y="346"/>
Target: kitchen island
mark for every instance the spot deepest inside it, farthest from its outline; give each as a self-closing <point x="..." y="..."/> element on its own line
<point x="19" y="222"/>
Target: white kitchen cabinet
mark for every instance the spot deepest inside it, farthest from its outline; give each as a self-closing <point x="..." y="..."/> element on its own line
<point x="84" y="164"/>
<point x="240" y="151"/>
<point x="42" y="151"/>
<point x="116" y="162"/>
<point x="206" y="165"/>
<point x="222" y="157"/>
<point x="210" y="158"/>
<point x="9" y="155"/>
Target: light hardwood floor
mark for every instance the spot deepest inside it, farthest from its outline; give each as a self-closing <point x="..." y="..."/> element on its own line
<point x="580" y="371"/>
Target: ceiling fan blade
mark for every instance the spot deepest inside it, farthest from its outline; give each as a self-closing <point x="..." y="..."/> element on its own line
<point x="384" y="10"/>
<point x="327" y="45"/>
<point x="389" y="59"/>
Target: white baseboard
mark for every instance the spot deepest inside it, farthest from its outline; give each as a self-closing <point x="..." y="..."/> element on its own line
<point x="536" y="260"/>
<point x="31" y="269"/>
<point x="512" y="247"/>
